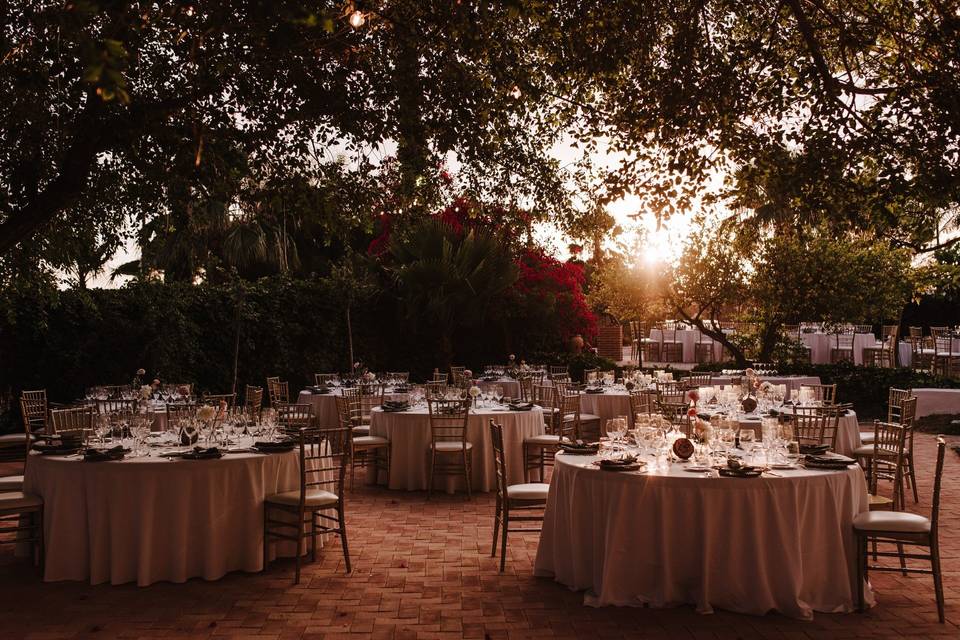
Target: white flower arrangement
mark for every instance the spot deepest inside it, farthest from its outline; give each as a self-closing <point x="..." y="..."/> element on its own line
<point x="206" y="413"/>
<point x="474" y="391"/>
<point x="146" y="391"/>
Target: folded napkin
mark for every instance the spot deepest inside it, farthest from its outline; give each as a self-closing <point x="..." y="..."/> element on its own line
<point x="393" y="406"/>
<point x="199" y="453"/>
<point x="814" y="449"/>
<point x="835" y="460"/>
<point x="521" y="406"/>
<point x="741" y="472"/>
<point x="105" y="455"/>
<point x="269" y="446"/>
<point x="594" y="390"/>
<point x="579" y="448"/>
<point x="626" y="463"/>
<point x="320" y="390"/>
<point x="57" y="448"/>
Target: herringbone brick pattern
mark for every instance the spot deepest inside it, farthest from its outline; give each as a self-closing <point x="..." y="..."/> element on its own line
<point x="422" y="570"/>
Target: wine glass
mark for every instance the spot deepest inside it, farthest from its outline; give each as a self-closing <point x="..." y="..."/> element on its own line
<point x="747" y="439"/>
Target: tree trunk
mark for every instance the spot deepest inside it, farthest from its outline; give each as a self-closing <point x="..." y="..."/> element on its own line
<point x="412" y="139"/>
<point x="238" y="320"/>
<point x="350" y="336"/>
<point x="768" y="342"/>
<point x="718" y="335"/>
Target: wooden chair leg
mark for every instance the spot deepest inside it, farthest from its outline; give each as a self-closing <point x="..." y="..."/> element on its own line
<point x="861" y="565"/>
<point x="937" y="578"/>
<point x="433" y="464"/>
<point x="526" y="462"/>
<point x="503" y="544"/>
<point x="266" y="539"/>
<point x="496" y="529"/>
<point x="913" y="477"/>
<point x="466" y="474"/>
<point x="313" y="536"/>
<point x="342" y="525"/>
<point x="296" y="575"/>
<point x="903" y="560"/>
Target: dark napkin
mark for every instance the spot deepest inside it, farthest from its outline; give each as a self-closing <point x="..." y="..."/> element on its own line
<point x="105" y="455"/>
<point x="832" y="460"/>
<point x="594" y="390"/>
<point x="320" y="390"/>
<point x="579" y="448"/>
<point x="625" y="463"/>
<point x="57" y="448"/>
<point x="521" y="406"/>
<point x="200" y="453"/>
<point x="268" y="446"/>
<point x="742" y="472"/>
<point x="393" y="406"/>
<point x="814" y="449"/>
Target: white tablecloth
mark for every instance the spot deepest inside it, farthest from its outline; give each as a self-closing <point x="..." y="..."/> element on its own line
<point x="906" y="351"/>
<point x="148" y="520"/>
<point x="744" y="545"/>
<point x="934" y="401"/>
<point x="325" y="405"/>
<point x="609" y="404"/>
<point x="821" y="343"/>
<point x="409" y="435"/>
<point x="848" y="431"/>
<point x="689" y="339"/>
<point x="511" y="388"/>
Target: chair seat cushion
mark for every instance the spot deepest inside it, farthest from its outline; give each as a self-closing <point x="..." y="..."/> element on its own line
<point x="11" y="483"/>
<point x="451" y="446"/>
<point x="314" y="498"/>
<point x="863" y="451"/>
<point x="12" y="500"/>
<point x="369" y="441"/>
<point x="584" y="417"/>
<point x="528" y="491"/>
<point x="544" y="439"/>
<point x="866" y="437"/>
<point x="893" y="521"/>
<point x="361" y="430"/>
<point x="14" y="438"/>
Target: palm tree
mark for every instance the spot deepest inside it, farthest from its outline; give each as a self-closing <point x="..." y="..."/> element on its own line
<point x="446" y="280"/>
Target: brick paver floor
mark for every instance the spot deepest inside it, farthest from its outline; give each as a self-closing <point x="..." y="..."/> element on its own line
<point x="422" y="570"/>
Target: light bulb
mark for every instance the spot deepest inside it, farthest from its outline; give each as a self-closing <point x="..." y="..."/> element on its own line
<point x="357" y="19"/>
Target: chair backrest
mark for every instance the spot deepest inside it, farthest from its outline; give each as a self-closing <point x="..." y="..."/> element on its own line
<point x="863" y="328"/>
<point x="566" y="422"/>
<point x="436" y="389"/>
<point x="499" y="460"/>
<point x="253" y="401"/>
<point x="73" y="420"/>
<point x="889" y="333"/>
<point x="441" y="377"/>
<point x="33" y="407"/>
<point x="294" y="417"/>
<point x="844" y="341"/>
<point x="809" y="425"/>
<point x="640" y="402"/>
<point x="895" y="398"/>
<point x="220" y="399"/>
<point x="116" y="406"/>
<point x="448" y="421"/>
<point x="559" y="370"/>
<point x="180" y="411"/>
<point x="696" y="380"/>
<point x="936" y="332"/>
<point x="831" y="425"/>
<point x="937" y="478"/>
<point x="825" y="393"/>
<point x="889" y="440"/>
<point x="915" y="332"/>
<point x="543" y="395"/>
<point x="323" y="461"/>
<point x="321" y="379"/>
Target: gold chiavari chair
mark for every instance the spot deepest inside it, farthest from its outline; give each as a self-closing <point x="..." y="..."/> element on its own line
<point x="703" y="349"/>
<point x="450" y="453"/>
<point x="322" y="379"/>
<point x="436" y="389"/>
<point x="946" y="360"/>
<point x="513" y="501"/>
<point x="569" y="419"/>
<point x="672" y="400"/>
<point x="440" y="377"/>
<point x="843" y="349"/>
<point x="634" y="327"/>
<point x="883" y="353"/>
<point x="178" y="413"/>
<point x="863" y="328"/>
<point x="279" y="392"/>
<point x="33" y="406"/>
<point x="559" y="370"/>
<point x="671" y="348"/>
<point x="641" y="401"/>
<point x="14" y="447"/>
<point x="220" y="399"/>
<point x="903" y="528"/>
<point x="21" y="514"/>
<point x="825" y="393"/>
<point x="291" y="418"/>
<point x="75" y="420"/>
<point x="525" y="383"/>
<point x="323" y="465"/>
<point x="363" y="398"/>
<point x="362" y="445"/>
<point x="253" y="402"/>
<point x="809" y="425"/>
<point x="116" y="406"/>
<point x="456" y="374"/>
<point x="539" y="451"/>
<point x="696" y="380"/>
<point x="649" y="348"/>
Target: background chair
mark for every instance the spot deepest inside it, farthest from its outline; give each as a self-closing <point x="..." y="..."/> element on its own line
<point x="450" y="453"/>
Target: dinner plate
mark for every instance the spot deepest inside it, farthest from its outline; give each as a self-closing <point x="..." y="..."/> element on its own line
<point x="697" y="469"/>
<point x="783" y="467"/>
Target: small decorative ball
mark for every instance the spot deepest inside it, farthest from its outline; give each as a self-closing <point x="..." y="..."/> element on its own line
<point x="683" y="448"/>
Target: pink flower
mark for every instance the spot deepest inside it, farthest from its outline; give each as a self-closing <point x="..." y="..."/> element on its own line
<point x="693" y="394"/>
<point x="692" y="412"/>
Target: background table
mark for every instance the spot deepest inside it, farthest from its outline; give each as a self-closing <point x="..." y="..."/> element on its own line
<point x="821" y="343"/>
<point x="409" y="435"/>
<point x="792" y="382"/>
<point x="148" y="520"/>
<point x="744" y="545"/>
<point x="906" y="351"/>
<point x="848" y="430"/>
<point x="688" y="337"/>
<point x="937" y="401"/>
<point x="511" y="387"/>
<point x="325" y="405"/>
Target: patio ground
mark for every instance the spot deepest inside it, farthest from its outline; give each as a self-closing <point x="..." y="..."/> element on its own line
<point x="422" y="570"/>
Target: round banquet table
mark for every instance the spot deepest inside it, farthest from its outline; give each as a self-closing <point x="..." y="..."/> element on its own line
<point x="821" y="343"/>
<point x="848" y="430"/>
<point x="609" y="404"/>
<point x="325" y="405"/>
<point x="792" y="382"/>
<point x="409" y="435"/>
<point x="688" y="337"/>
<point x="511" y="387"/>
<point x="151" y="519"/>
<point x="667" y="538"/>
